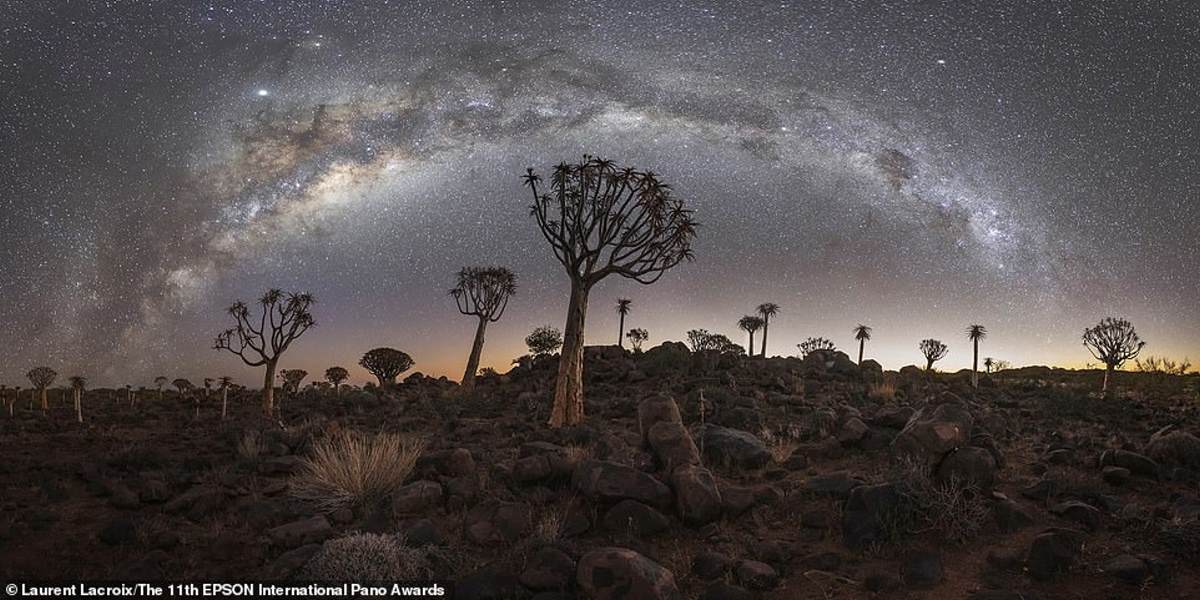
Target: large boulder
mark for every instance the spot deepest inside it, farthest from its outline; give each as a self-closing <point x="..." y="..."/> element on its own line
<point x="668" y="358"/>
<point x="697" y="497"/>
<point x="538" y="461"/>
<point x="659" y="408"/>
<point x="634" y="518"/>
<point x="549" y="569"/>
<point x="934" y="431"/>
<point x="1054" y="551"/>
<point x="969" y="465"/>
<point x="622" y="574"/>
<point x="733" y="448"/>
<point x="865" y="514"/>
<point x="1174" y="447"/>
<point x="416" y="498"/>
<point x="672" y="445"/>
<point x="611" y="482"/>
<point x="301" y="533"/>
<point x="1138" y="464"/>
<point x="498" y="522"/>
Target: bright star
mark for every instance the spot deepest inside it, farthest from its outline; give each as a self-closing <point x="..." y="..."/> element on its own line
<point x="264" y="93"/>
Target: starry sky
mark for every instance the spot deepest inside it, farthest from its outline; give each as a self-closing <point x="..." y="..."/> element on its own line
<point x="915" y="166"/>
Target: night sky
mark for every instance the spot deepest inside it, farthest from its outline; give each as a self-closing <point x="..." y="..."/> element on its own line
<point x="1031" y="166"/>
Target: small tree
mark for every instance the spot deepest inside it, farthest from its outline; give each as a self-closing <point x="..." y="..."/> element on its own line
<point x="815" y="344"/>
<point x="160" y="382"/>
<point x="482" y="292"/>
<point x="750" y="324"/>
<point x="385" y="364"/>
<point x="260" y="342"/>
<point x="862" y="333"/>
<point x="623" y="305"/>
<point x="637" y="337"/>
<point x="291" y="379"/>
<point x="78" y="384"/>
<point x="699" y="340"/>
<point x="544" y="341"/>
<point x="975" y="333"/>
<point x="336" y="376"/>
<point x="601" y="220"/>
<point x="42" y="378"/>
<point x="933" y="350"/>
<point x="225" y="381"/>
<point x="1112" y="341"/>
<point x="988" y="363"/>
<point x="766" y="310"/>
<point x="184" y="386"/>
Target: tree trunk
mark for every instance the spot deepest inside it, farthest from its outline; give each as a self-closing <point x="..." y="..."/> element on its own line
<point x="861" y="344"/>
<point x="224" y="402"/>
<point x="45" y="400"/>
<point x="621" y="333"/>
<point x="568" y="386"/>
<point x="929" y="364"/>
<point x="468" y="380"/>
<point x="766" y="324"/>
<point x="78" y="407"/>
<point x="268" y="391"/>
<point x="975" y="367"/>
<point x="1108" y="369"/>
<point x="750" y="350"/>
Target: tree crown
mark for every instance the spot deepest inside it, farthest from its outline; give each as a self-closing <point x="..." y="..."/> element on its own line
<point x="386" y="363"/>
<point x="283" y="319"/>
<point x="484" y="291"/>
<point x="1113" y="341"/>
<point x="544" y="340"/>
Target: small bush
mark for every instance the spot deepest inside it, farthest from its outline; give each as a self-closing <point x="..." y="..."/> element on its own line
<point x="367" y="557"/>
<point x="351" y="469"/>
<point x="953" y="508"/>
<point x="883" y="392"/>
<point x="250" y="445"/>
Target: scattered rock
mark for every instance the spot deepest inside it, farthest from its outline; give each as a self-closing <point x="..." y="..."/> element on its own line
<point x="497" y="522"/>
<point x="756" y="575"/>
<point x="1114" y="475"/>
<point x="673" y="446"/>
<point x="299" y="533"/>
<point x="697" y="497"/>
<point x="865" y="511"/>
<point x="923" y="570"/>
<point x="611" y="482"/>
<point x="548" y="569"/>
<point x="836" y="484"/>
<point x="619" y="573"/>
<point x="119" y="531"/>
<point x="934" y="431"/>
<point x="416" y="498"/>
<point x="735" y="449"/>
<point x="1136" y="463"/>
<point x="1079" y="512"/>
<point x="1054" y="551"/>
<point x="631" y="516"/>
<point x="1127" y="568"/>
<point x="969" y="465"/>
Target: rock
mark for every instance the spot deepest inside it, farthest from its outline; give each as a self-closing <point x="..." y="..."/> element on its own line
<point x="734" y="449"/>
<point x="816" y="519"/>
<point x="124" y="498"/>
<point x="672" y="445"/>
<point x="970" y="465"/>
<point x="726" y="591"/>
<point x="488" y="584"/>
<point x="299" y="533"/>
<point x="1127" y="568"/>
<point x="935" y="430"/>
<point x="611" y="482"/>
<point x="756" y="575"/>
<point x="853" y="431"/>
<point x="290" y="562"/>
<point x="280" y="465"/>
<point x="1054" y="551"/>
<point x="1079" y="512"/>
<point x="656" y="409"/>
<point x="709" y="565"/>
<point x="1009" y="515"/>
<point x="548" y="569"/>
<point x="118" y="532"/>
<point x="836" y="484"/>
<point x="871" y="370"/>
<point x="892" y="417"/>
<point x="620" y="573"/>
<point x="154" y="491"/>
<point x="1174" y="447"/>
<point x="421" y="533"/>
<point x="865" y="512"/>
<point x="497" y="522"/>
<point x="881" y="581"/>
<point x="1004" y="558"/>
<point x="1136" y="463"/>
<point x="197" y="503"/>
<point x="416" y="498"/>
<point x="342" y="516"/>
<point x="455" y="462"/>
<point x="923" y="570"/>
<point x="1114" y="475"/>
<point x="1042" y="490"/>
<point x="631" y="516"/>
<point x="697" y="497"/>
<point x="540" y="461"/>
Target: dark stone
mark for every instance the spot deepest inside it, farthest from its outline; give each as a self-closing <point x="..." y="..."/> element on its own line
<point x="923" y="570"/>
<point x="119" y="531"/>
<point x="631" y="516"/>
<point x="612" y="482"/>
<point x="756" y="575"/>
<point x="726" y="591"/>
<point x="836" y="484"/>
<point x="416" y="498"/>
<point x="1114" y="475"/>
<point x="735" y="449"/>
<point x="619" y="573"/>
<point x="969" y="465"/>
<point x="865" y="511"/>
<point x="497" y="522"/>
<point x="1054" y="551"/>
<point x="299" y="533"/>
<point x="1127" y="568"/>
<point x="697" y="497"/>
<point x="549" y="569"/>
<point x="709" y="565"/>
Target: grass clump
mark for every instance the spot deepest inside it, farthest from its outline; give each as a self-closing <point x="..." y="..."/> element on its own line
<point x="350" y="469"/>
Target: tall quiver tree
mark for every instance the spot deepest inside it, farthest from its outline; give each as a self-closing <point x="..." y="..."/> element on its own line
<point x="750" y="324"/>
<point x="601" y="220"/>
<point x="933" y="351"/>
<point x="975" y="333"/>
<point x="78" y="384"/>
<point x="42" y="378"/>
<point x="225" y="382"/>
<point x="261" y="341"/>
<point x="483" y="293"/>
<point x="1112" y="341"/>
<point x="623" y="305"/>
<point x="766" y="310"/>
<point x="862" y="333"/>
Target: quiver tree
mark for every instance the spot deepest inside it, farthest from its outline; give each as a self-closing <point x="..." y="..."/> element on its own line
<point x="933" y="350"/>
<point x="42" y="378"/>
<point x="637" y="336"/>
<point x="160" y="382"/>
<point x="623" y="305"/>
<point x="78" y="384"/>
<point x="483" y="293"/>
<point x="862" y="333"/>
<point x="766" y="310"/>
<point x="385" y="364"/>
<point x="291" y="379"/>
<point x="336" y="376"/>
<point x="544" y="341"/>
<point x="599" y="221"/>
<point x="225" y="382"/>
<point x="184" y="386"/>
<point x="988" y="363"/>
<point x="975" y="333"/>
<point x="815" y="344"/>
<point x="1112" y="341"/>
<point x="750" y="324"/>
<point x="260" y="341"/>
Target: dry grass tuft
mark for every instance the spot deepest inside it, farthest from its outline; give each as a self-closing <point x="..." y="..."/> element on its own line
<point x="368" y="557"/>
<point x="883" y="392"/>
<point x="250" y="445"/>
<point x="350" y="468"/>
<point x="953" y="508"/>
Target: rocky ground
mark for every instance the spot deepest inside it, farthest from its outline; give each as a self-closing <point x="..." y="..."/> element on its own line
<point x="695" y="476"/>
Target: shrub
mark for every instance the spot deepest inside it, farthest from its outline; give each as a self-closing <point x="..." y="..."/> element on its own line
<point x="953" y="508"/>
<point x="351" y="469"/>
<point x="250" y="445"/>
<point x="367" y="557"/>
<point x="884" y="392"/>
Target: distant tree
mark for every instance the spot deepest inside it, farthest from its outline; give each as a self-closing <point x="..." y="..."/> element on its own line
<point x="7" y="399"/>
<point x="385" y="364"/>
<point x="42" y="378"/>
<point x="601" y="220"/>
<point x="862" y="333"/>
<point x="975" y="333"/>
<point x="988" y="363"/>
<point x="766" y="310"/>
<point x="544" y="341"/>
<point x="260" y="342"/>
<point x="815" y="344"/>
<point x="77" y="385"/>
<point x="724" y="345"/>
<point x="699" y="339"/>
<point x="291" y="378"/>
<point x="637" y="336"/>
<point x="750" y="324"/>
<point x="129" y="393"/>
<point x="184" y="386"/>
<point x="160" y="382"/>
<point x="336" y="376"/>
<point x="482" y="292"/>
<point x="622" y="310"/>
<point x="1112" y="341"/>
<point x="226" y="382"/>
<point x="933" y="350"/>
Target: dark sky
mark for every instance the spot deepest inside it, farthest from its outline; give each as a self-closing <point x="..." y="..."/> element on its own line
<point x="1031" y="166"/>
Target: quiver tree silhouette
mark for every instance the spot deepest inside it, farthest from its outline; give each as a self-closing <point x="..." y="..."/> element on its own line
<point x="766" y="310"/>
<point x="291" y="379"/>
<point x="601" y="220"/>
<point x="988" y="363"/>
<point x="42" y="378"/>
<point x="544" y="341"/>
<point x="385" y="364"/>
<point x="750" y="324"/>
<point x="160" y="382"/>
<point x="975" y="333"/>
<point x="184" y="386"/>
<point x="862" y="333"/>
<point x="336" y="376"/>
<point x="815" y="344"/>
<point x="637" y="336"/>
<point x="482" y="292"/>
<point x="260" y="342"/>
<point x="225" y="382"/>
<point x="623" y="305"/>
<point x="702" y="340"/>
<point x="78" y="384"/>
<point x="933" y="350"/>
<point x="1112" y="341"/>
